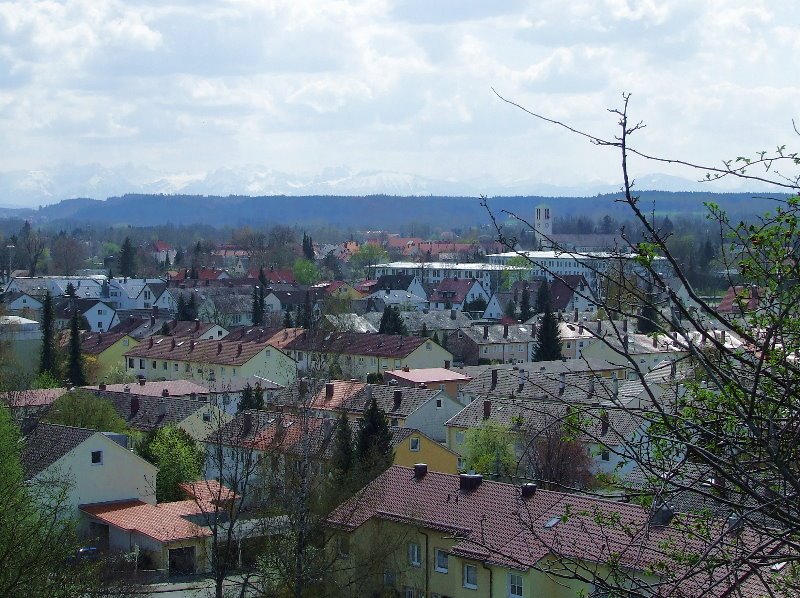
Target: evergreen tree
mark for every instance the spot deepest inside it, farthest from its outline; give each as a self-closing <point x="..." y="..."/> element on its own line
<point x="287" y="319"/>
<point x="384" y="320"/>
<point x="167" y="264"/>
<point x="308" y="247"/>
<point x="374" y="447"/>
<point x="647" y="322"/>
<point x="164" y="329"/>
<point x="75" y="371"/>
<point x="252" y="397"/>
<point x="127" y="258"/>
<point x="511" y="309"/>
<point x="342" y="459"/>
<point x="424" y="332"/>
<point x="191" y="307"/>
<point x="308" y="314"/>
<point x="47" y="362"/>
<point x="542" y="297"/>
<point x="525" y="304"/>
<point x="70" y="290"/>
<point x="181" y="308"/>
<point x="392" y="322"/>
<point x="262" y="277"/>
<point x="258" y="306"/>
<point x="178" y="256"/>
<point x="548" y="338"/>
<point x="435" y="338"/>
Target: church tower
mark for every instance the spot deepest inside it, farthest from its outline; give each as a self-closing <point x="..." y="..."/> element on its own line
<point x="542" y="227"/>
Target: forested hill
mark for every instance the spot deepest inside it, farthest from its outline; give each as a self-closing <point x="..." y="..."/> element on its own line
<point x="359" y="211"/>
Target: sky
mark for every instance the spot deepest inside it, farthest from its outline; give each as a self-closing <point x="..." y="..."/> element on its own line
<point x="306" y="87"/>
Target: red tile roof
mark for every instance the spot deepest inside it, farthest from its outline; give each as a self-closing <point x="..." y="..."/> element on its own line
<point x="198" y="351"/>
<point x="174" y="388"/>
<point x="208" y="491"/>
<point x="164" y="523"/>
<point x="453" y="290"/>
<point x="738" y="298"/>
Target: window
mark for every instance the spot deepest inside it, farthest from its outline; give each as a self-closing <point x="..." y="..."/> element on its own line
<point x="394" y="421"/>
<point x="439" y="403"/>
<point x="125" y="342"/>
<point x="462" y="463"/>
<point x="604" y="455"/>
<point x="414" y="442"/>
<point x="388" y="578"/>
<point x="344" y="546"/>
<point x="397" y="363"/>
<point x="413" y="554"/>
<point x="470" y="577"/>
<point x="175" y="367"/>
<point x="97" y="457"/>
<point x="207" y="416"/>
<point x="155" y="365"/>
<point x="428" y="347"/>
<point x="141" y="364"/>
<point x="164" y="365"/>
<point x="99" y="325"/>
<point x="441" y="560"/>
<point x="300" y="356"/>
<point x="130" y="362"/>
<point x="187" y="368"/>
<point x="460" y="437"/>
<point x="514" y="585"/>
<point x="408" y="592"/>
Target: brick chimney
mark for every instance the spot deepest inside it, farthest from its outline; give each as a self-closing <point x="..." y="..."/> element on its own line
<point x="165" y="392"/>
<point x="562" y="383"/>
<point x="102" y="386"/>
<point x="134" y="406"/>
<point x="219" y="347"/>
<point x="150" y="343"/>
<point x="238" y="349"/>
<point x="196" y="324"/>
<point x="604" y="423"/>
<point x="528" y="490"/>
<point x="172" y="344"/>
<point x="485" y="332"/>
<point x="191" y="345"/>
<point x="328" y="391"/>
<point x="494" y="378"/>
<point x="398" y="398"/>
<point x="420" y="471"/>
<point x="505" y="330"/>
<point x="142" y="380"/>
<point x="406" y="368"/>
<point x="467" y="482"/>
<point x="487" y="409"/>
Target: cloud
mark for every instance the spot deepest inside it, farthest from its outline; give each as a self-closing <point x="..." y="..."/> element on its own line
<point x="191" y="86"/>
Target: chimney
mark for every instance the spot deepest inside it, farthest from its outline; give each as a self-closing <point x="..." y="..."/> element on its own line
<point x="126" y="388"/>
<point x="580" y="328"/>
<point x="452" y="314"/>
<point x="722" y="336"/>
<point x="494" y="378"/>
<point x="219" y="347"/>
<point x="102" y="386"/>
<point x="100" y="338"/>
<point x="196" y="324"/>
<point x="152" y="321"/>
<point x="162" y="409"/>
<point x="420" y="471"/>
<point x="172" y="344"/>
<point x="599" y="325"/>
<point x="485" y="332"/>
<point x="134" y="406"/>
<point x="406" y="368"/>
<point x="603" y="423"/>
<point x="625" y="343"/>
<point x="191" y="345"/>
<point x="487" y="409"/>
<point x="576" y="315"/>
<point x="505" y="330"/>
<point x="591" y="386"/>
<point x="247" y="424"/>
<point x="534" y="330"/>
<point x="625" y="325"/>
<point x="238" y="349"/>
<point x="467" y="482"/>
<point x="328" y="391"/>
<point x="142" y="380"/>
<point x="673" y="370"/>
<point x="447" y="364"/>
<point x="150" y="343"/>
<point x="562" y="383"/>
<point x="661" y="515"/>
<point x="528" y="490"/>
<point x="614" y="385"/>
<point x="165" y="392"/>
<point x="655" y="342"/>
<point x="398" y="397"/>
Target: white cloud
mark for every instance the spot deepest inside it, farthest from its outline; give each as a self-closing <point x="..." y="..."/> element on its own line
<point x="190" y="86"/>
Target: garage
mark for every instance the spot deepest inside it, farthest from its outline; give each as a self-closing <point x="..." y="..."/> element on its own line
<point x="182" y="560"/>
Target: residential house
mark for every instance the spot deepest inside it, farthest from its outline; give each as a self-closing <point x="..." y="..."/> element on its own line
<point x="100" y="315"/>
<point x="462" y="535"/>
<point x="23" y="305"/>
<point x="621" y="346"/>
<point x="490" y="343"/>
<point x="457" y="293"/>
<point x="403" y="300"/>
<point x="358" y="354"/>
<point x="426" y="322"/>
<point x="163" y="252"/>
<point x="400" y="282"/>
<point x="105" y="349"/>
<point x="570" y="292"/>
<point x="171" y="358"/>
<point x="30" y="403"/>
<point x="273" y="275"/>
<point x="447" y="380"/>
<point x="23" y="337"/>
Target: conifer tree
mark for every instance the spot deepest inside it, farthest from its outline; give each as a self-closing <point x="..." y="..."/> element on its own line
<point x="308" y="315"/>
<point x="374" y="445"/>
<point x="287" y="319"/>
<point x="342" y="460"/>
<point x="525" y="304"/>
<point x="70" y="290"/>
<point x="258" y="306"/>
<point x="181" y="308"/>
<point x="435" y="338"/>
<point x="542" y="297"/>
<point x="191" y="307"/>
<point x="164" y="329"/>
<point x="647" y="322"/>
<point x="47" y="362"/>
<point x="262" y="277"/>
<point x="252" y="397"/>
<point x="548" y="338"/>
<point x="424" y="332"/>
<point x="75" y="371"/>
<point x="127" y="258"/>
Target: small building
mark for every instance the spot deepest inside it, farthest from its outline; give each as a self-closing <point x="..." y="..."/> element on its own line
<point x="447" y="380"/>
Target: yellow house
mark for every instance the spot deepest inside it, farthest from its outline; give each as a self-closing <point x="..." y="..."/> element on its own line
<point x="422" y="533"/>
<point x="412" y="446"/>
<point x="106" y="349"/>
<point x="170" y="358"/>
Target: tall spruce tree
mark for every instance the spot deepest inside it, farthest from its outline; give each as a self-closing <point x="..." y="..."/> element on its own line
<point x="75" y="371"/>
<point x="287" y="319"/>
<point x="542" y="297"/>
<point x="647" y="322"/>
<point x="47" y="361"/>
<point x="181" y="308"/>
<point x="252" y="397"/>
<point x="308" y="247"/>
<point x="548" y="337"/>
<point x="342" y="459"/>
<point x="127" y="258"/>
<point x="374" y="445"/>
<point x="308" y="313"/>
<point x="258" y="306"/>
<point x="191" y="308"/>
<point x="262" y="277"/>
<point x="525" y="304"/>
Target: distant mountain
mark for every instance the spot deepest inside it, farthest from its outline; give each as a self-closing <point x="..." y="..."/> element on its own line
<point x="40" y="187"/>
<point x="371" y="211"/>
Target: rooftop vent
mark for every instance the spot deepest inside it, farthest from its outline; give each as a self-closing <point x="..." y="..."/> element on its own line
<point x="467" y="482"/>
<point x="528" y="490"/>
<point x="662" y="515"/>
<point x="420" y="471"/>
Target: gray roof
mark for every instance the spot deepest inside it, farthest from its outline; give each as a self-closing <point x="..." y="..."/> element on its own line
<point x="47" y="443"/>
<point x="433" y="320"/>
<point x="570" y="365"/>
<point x="496" y="334"/>
<point x="146" y="413"/>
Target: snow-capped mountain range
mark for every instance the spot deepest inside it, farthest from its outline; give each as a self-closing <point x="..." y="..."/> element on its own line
<point x="29" y="188"/>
